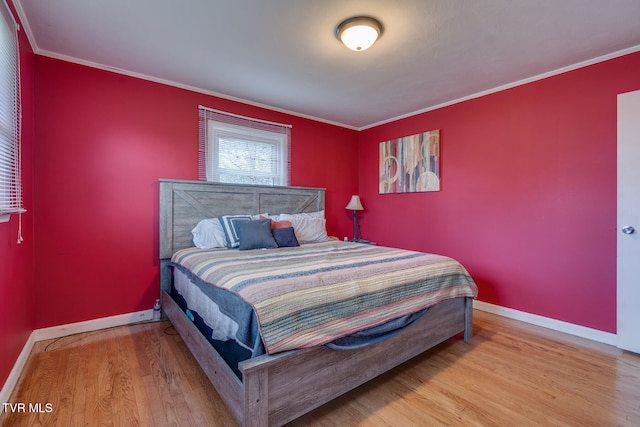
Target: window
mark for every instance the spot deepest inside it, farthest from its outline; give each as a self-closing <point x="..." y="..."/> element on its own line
<point x="10" y="185"/>
<point x="242" y="150"/>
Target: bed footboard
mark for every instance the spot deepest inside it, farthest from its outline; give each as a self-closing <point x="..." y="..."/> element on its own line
<point x="468" y="319"/>
<point x="282" y="387"/>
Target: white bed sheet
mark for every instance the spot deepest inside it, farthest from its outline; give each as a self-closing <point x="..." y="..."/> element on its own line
<point x="224" y="328"/>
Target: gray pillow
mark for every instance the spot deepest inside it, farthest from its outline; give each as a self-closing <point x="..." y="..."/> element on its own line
<point x="255" y="235"/>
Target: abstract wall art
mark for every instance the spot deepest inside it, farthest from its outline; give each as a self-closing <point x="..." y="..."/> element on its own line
<point x="410" y="164"/>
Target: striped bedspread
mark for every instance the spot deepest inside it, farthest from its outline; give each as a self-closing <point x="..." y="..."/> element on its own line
<point x="311" y="295"/>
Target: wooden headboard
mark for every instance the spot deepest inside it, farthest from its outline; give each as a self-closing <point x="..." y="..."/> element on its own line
<point x="185" y="203"/>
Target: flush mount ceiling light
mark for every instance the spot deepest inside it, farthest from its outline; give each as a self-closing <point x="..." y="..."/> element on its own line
<point x="359" y="33"/>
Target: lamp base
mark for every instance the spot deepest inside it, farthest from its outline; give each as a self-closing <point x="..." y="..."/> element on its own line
<point x="365" y="242"/>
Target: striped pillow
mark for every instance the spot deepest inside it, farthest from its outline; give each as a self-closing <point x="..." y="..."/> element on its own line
<point x="229" y="223"/>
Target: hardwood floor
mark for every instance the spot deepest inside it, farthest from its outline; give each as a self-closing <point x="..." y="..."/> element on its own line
<point x="511" y="373"/>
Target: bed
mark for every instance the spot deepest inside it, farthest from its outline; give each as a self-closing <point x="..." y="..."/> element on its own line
<point x="285" y="382"/>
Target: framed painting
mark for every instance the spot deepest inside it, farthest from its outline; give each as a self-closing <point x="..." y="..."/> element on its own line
<point x="410" y="164"/>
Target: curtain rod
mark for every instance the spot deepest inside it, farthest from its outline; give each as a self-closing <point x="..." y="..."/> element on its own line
<point x="243" y="117"/>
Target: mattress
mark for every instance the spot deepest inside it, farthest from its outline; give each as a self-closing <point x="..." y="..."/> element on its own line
<point x="267" y="301"/>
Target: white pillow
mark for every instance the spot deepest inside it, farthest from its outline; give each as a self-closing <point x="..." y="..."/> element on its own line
<point x="318" y="214"/>
<point x="307" y="228"/>
<point x="208" y="234"/>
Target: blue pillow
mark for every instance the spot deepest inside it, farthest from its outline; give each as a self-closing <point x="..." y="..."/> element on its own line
<point x="285" y="237"/>
<point x="255" y="235"/>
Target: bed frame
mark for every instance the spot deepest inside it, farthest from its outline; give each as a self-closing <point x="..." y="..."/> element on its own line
<point x="279" y="388"/>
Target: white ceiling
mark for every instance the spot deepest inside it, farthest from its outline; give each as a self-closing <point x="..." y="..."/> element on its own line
<point x="284" y="54"/>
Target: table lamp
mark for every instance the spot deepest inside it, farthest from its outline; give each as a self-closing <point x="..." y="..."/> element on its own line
<point x="355" y="205"/>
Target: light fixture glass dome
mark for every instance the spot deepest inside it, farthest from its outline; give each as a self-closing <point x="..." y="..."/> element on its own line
<point x="359" y="33"/>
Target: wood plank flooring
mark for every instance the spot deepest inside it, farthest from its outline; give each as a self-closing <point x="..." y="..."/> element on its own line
<point x="510" y="374"/>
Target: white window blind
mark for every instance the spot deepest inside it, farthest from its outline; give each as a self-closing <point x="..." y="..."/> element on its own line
<point x="10" y="179"/>
<point x="242" y="150"/>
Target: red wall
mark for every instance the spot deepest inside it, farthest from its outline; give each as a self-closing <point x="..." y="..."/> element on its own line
<point x="102" y="142"/>
<point x="16" y="260"/>
<point x="527" y="201"/>
<point x="528" y="192"/>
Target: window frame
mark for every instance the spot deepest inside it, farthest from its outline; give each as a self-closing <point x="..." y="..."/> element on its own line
<point x="218" y="130"/>
<point x="215" y="124"/>
<point x="10" y="127"/>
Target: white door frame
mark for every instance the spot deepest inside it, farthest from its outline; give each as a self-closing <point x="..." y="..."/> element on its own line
<point x="628" y="222"/>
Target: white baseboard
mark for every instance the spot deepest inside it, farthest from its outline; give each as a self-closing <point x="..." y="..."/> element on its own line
<point x="546" y="322"/>
<point x="91" y="325"/>
<point x="14" y="375"/>
<point x="63" y="331"/>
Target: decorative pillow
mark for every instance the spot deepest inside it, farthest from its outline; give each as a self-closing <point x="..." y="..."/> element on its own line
<point x="307" y="228"/>
<point x="285" y="237"/>
<point x="255" y="235"/>
<point x="280" y="224"/>
<point x="229" y="224"/>
<point x="208" y="234"/>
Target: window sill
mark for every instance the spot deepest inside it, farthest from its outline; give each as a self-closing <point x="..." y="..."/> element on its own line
<point x="4" y="217"/>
